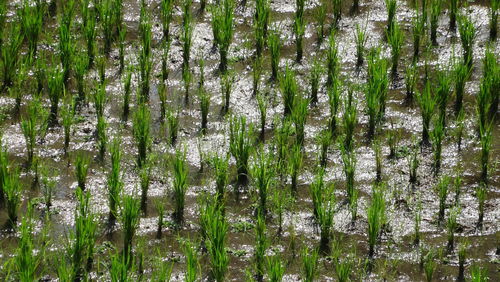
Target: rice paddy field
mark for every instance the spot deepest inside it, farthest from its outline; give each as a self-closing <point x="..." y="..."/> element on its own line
<point x="266" y="140"/>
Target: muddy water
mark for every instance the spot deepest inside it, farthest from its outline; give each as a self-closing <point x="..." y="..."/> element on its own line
<point x="396" y="256"/>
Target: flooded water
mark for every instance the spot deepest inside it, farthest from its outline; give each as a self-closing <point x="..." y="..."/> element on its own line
<point x="396" y="256"/>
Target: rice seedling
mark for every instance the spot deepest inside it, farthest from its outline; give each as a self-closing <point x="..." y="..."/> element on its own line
<point x="173" y="126"/>
<point x="263" y="173"/>
<point x="141" y="131"/>
<point x="337" y="12"/>
<point x="378" y="83"/>
<point x="106" y="18"/>
<point x="84" y="237"/>
<point x="40" y="73"/>
<point x="89" y="31"/>
<point x="260" y="24"/>
<point x="413" y="162"/>
<point x="187" y="40"/>
<point x="376" y="218"/>
<point x="120" y="269"/>
<point x="100" y="100"/>
<point x="280" y="203"/>
<point x="391" y="6"/>
<point x="289" y="91"/>
<point x="350" y="120"/>
<point x="216" y="232"/>
<point x="220" y="166"/>
<point x="127" y="82"/>
<point x="129" y="218"/>
<point x="418" y="28"/>
<point x="263" y="104"/>
<point x="299" y="28"/>
<point x="282" y="143"/>
<point x="204" y="97"/>
<point x="361" y="37"/>
<point x="478" y="273"/>
<point x="453" y="11"/>
<point x="491" y="73"/>
<point x="481" y="198"/>
<point x="427" y="102"/>
<point x="442" y="191"/>
<point x="167" y="7"/>
<point x="4" y="169"/>
<point x="101" y="69"/>
<point x="32" y="21"/>
<point x="314" y="79"/>
<point x="180" y="185"/>
<point x="256" y="75"/>
<point x="295" y="163"/>
<point x="437" y="136"/>
<point x="145" y="177"/>
<point x="467" y="35"/>
<point x="430" y="264"/>
<point x="114" y="182"/>
<point x="102" y="138"/>
<point x="10" y="54"/>
<point x="48" y="185"/>
<point x="332" y="61"/>
<point x="324" y="139"/>
<point x="160" y="209"/>
<point x="423" y="9"/>
<point x="81" y="66"/>
<point x="495" y="4"/>
<point x="457" y="184"/>
<point x="299" y="117"/>
<point x="29" y="129"/>
<point x="451" y="226"/>
<point x="274" y="44"/>
<point x="223" y="29"/>
<point x="320" y="18"/>
<point x="333" y="103"/>
<point x="396" y="40"/>
<point x="66" y="50"/>
<point x="309" y="264"/>
<point x="56" y="89"/>
<point x="410" y="82"/>
<point x="226" y="85"/>
<point x="12" y="192"/>
<point x="261" y="244"/>
<point x="435" y="12"/>
<point x="462" y="252"/>
<point x="122" y="34"/>
<point x="461" y="73"/>
<point x="26" y="261"/>
<point x="240" y="145"/>
<point x="68" y="119"/>
<point x="164" y="60"/>
<point x="443" y="94"/>
<point x="275" y="269"/>
<point x="349" y="164"/>
<point x="324" y="205"/>
<point x="81" y="170"/>
<point x="485" y="135"/>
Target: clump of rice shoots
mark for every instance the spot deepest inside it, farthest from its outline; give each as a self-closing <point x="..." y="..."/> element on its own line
<point x="129" y="219"/>
<point x="461" y="73"/>
<point x="442" y="191"/>
<point x="12" y="194"/>
<point x="299" y="28"/>
<point x="437" y="136"/>
<point x="275" y="268"/>
<point x="375" y="216"/>
<point x="226" y="82"/>
<point x="216" y="235"/>
<point x="187" y="41"/>
<point x="299" y="117"/>
<point x="309" y="264"/>
<point x="114" y="182"/>
<point x="180" y="185"/>
<point x="263" y="104"/>
<point x="451" y="226"/>
<point x="320" y="17"/>
<point x="141" y="132"/>
<point x="467" y="35"/>
<point x="274" y="44"/>
<point x="263" y="173"/>
<point x="81" y="170"/>
<point x="361" y="37"/>
<point x="396" y="40"/>
<point x="295" y="164"/>
<point x="427" y="103"/>
<point x="10" y="55"/>
<point x="418" y="29"/>
<point x="332" y="61"/>
<point x="32" y="22"/>
<point x="391" y="6"/>
<point x="55" y="84"/>
<point x="261" y="244"/>
<point x="334" y="103"/>
<point x="314" y="79"/>
<point x="223" y="29"/>
<point x="349" y="164"/>
<point x="204" y="97"/>
<point x="495" y="4"/>
<point x="240" y="146"/>
<point x="324" y="208"/>
<point x="289" y="91"/>
<point x="435" y="12"/>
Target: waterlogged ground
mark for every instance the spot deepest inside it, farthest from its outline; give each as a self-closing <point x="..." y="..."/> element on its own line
<point x="397" y="258"/>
